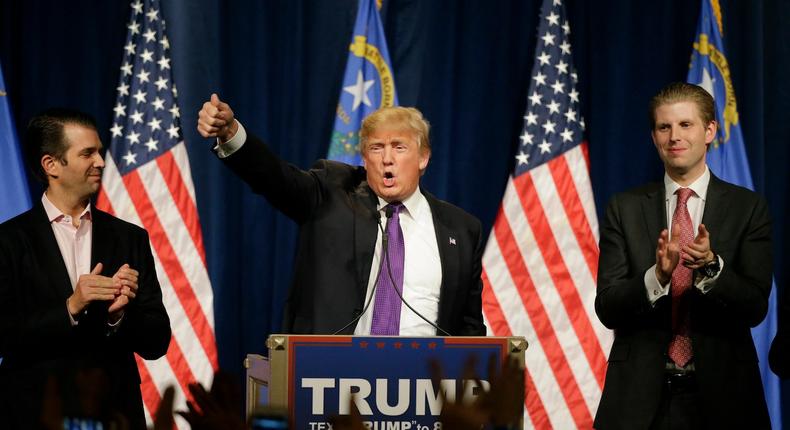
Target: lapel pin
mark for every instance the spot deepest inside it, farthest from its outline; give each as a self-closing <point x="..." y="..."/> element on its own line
<point x="452" y="240"/>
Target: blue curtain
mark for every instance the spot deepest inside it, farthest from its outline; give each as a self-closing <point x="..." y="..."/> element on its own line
<point x="465" y="64"/>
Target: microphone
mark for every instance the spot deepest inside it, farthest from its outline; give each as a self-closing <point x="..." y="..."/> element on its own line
<point x="377" y="216"/>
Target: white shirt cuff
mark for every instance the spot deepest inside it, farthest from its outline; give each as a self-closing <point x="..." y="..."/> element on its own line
<point x="654" y="289"/>
<point x="227" y="149"/>
<point x="71" y="318"/>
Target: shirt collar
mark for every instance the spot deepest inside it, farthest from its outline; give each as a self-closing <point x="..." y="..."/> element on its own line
<point x="700" y="186"/>
<point x="55" y="214"/>
<point x="414" y="204"/>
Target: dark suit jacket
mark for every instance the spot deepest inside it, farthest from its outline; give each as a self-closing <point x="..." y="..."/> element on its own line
<point x="724" y="353"/>
<point x="779" y="357"/>
<point x="336" y="211"/>
<point x="37" y="339"/>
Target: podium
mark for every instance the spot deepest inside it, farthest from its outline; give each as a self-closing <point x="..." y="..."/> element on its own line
<point x="314" y="377"/>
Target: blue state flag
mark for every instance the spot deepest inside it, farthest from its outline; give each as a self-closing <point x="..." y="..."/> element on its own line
<point x="727" y="160"/>
<point x="368" y="83"/>
<point x="14" y="195"/>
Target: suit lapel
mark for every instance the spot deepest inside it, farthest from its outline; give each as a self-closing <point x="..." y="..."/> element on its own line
<point x="363" y="205"/>
<point x="49" y="253"/>
<point x="654" y="212"/>
<point x="716" y="205"/>
<point x="446" y="239"/>
<point x="102" y="243"/>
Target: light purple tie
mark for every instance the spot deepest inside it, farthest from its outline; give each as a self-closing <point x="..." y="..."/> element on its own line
<point x="386" y="312"/>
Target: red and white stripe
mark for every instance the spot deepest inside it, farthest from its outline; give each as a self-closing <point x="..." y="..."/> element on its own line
<point x="160" y="197"/>
<point x="540" y="267"/>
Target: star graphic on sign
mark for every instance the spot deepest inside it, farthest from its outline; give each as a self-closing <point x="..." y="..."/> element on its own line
<point x="130" y="158"/>
<point x="531" y="118"/>
<point x="522" y="158"/>
<point x="152" y="144"/>
<point x="526" y="138"/>
<point x="117" y="130"/>
<point x="545" y="147"/>
<point x="567" y="135"/>
<point x="134" y="137"/>
<point x="554" y="107"/>
<point x="360" y="91"/>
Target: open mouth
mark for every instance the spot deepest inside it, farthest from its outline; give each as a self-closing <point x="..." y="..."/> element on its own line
<point x="389" y="179"/>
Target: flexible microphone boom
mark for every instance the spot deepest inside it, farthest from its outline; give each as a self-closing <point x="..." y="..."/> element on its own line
<point x="375" y="284"/>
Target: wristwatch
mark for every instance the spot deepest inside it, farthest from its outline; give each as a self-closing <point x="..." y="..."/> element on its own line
<point x="711" y="269"/>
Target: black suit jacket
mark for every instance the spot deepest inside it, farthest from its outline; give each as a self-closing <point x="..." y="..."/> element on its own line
<point x="724" y="353"/>
<point x="336" y="211"/>
<point x="779" y="356"/>
<point x="37" y="339"/>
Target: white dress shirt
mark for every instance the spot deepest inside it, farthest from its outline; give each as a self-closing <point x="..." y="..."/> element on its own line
<point x="422" y="269"/>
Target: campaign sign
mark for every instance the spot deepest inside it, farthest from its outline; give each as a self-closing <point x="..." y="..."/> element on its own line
<point x="389" y="378"/>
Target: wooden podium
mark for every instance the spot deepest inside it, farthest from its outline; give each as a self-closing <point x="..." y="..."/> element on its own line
<point x="314" y="377"/>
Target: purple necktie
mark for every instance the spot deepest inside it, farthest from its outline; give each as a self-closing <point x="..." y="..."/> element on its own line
<point x="386" y="312"/>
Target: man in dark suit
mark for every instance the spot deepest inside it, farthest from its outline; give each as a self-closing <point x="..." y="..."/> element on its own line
<point x="343" y="282"/>
<point x="78" y="289"/>
<point x="684" y="272"/>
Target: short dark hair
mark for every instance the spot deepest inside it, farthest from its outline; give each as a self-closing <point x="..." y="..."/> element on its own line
<point x="683" y="92"/>
<point x="44" y="136"/>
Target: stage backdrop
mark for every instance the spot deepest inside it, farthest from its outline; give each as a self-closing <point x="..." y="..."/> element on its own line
<point x="465" y="64"/>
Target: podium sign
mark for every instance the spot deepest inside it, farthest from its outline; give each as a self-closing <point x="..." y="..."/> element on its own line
<point x="314" y="377"/>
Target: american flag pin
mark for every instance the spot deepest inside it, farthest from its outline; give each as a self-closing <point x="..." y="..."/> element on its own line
<point x="452" y="241"/>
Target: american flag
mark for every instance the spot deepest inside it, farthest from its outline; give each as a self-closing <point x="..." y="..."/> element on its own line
<point x="541" y="259"/>
<point x="147" y="181"/>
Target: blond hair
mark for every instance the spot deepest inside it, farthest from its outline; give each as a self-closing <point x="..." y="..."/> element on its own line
<point x="682" y="92"/>
<point x="406" y="118"/>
